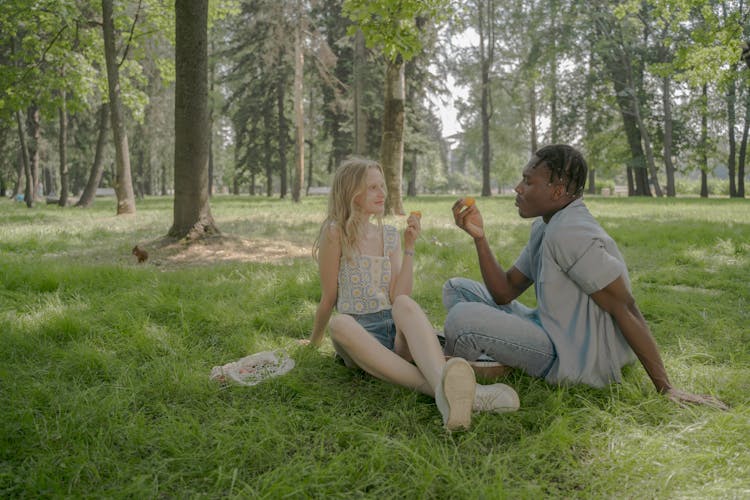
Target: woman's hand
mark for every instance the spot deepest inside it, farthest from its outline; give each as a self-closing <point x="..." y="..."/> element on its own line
<point x="412" y="231"/>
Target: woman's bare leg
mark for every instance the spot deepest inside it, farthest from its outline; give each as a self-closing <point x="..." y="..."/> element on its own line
<point x="355" y="345"/>
<point x="421" y="343"/>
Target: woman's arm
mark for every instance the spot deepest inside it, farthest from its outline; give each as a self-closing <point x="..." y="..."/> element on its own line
<point x="329" y="257"/>
<point x="402" y="278"/>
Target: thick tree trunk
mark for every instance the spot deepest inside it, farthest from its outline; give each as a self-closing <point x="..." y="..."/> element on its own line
<point x="192" y="214"/>
<point x="63" y="201"/>
<point x="97" y="167"/>
<point x="123" y="181"/>
<point x="299" y="111"/>
<point x="392" y="144"/>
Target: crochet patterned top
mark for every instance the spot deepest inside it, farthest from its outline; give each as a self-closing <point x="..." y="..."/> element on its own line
<point x="364" y="280"/>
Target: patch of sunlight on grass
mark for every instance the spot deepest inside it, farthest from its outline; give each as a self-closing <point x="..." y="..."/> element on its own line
<point x="49" y="306"/>
<point x="723" y="253"/>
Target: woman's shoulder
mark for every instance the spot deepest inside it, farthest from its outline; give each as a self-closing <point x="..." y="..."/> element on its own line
<point x="331" y="229"/>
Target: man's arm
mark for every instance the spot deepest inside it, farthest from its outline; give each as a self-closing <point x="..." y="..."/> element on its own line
<point x="617" y="300"/>
<point x="503" y="286"/>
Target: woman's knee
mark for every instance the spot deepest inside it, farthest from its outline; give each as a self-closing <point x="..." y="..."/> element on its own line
<point x="404" y="305"/>
<point x="342" y="327"/>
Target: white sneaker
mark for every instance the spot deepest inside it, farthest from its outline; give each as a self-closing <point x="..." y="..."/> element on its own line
<point x="456" y="394"/>
<point x="499" y="398"/>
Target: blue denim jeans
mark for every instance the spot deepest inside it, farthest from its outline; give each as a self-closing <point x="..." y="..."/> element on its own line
<point x="380" y="325"/>
<point x="510" y="334"/>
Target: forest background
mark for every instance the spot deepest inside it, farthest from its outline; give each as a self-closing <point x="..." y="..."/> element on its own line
<point x="654" y="92"/>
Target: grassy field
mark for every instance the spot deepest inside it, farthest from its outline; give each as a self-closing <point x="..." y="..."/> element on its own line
<point x="104" y="364"/>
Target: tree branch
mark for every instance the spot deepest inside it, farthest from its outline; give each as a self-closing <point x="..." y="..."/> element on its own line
<point x="130" y="37"/>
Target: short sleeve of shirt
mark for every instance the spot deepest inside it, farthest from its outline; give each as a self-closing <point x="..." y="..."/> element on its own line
<point x="595" y="268"/>
<point x="523" y="262"/>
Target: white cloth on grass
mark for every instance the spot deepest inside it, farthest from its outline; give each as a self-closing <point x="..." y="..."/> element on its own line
<point x="254" y="368"/>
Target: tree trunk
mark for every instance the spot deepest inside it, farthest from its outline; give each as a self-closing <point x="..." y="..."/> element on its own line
<point x="192" y="214"/>
<point x="267" y="150"/>
<point x="645" y="137"/>
<point x="632" y="132"/>
<point x="34" y="140"/>
<point x="731" y="123"/>
<point x="28" y="195"/>
<point x="310" y="142"/>
<point x="392" y="144"/>
<point x="299" y="111"/>
<point x="211" y="78"/>
<point x="667" y="104"/>
<point x="532" y="116"/>
<point x="283" y="134"/>
<point x="20" y="176"/>
<point x="588" y="119"/>
<point x="63" y="152"/>
<point x="704" y="141"/>
<point x="552" y="80"/>
<point x="123" y="181"/>
<point x="618" y="64"/>
<point x="360" y="120"/>
<point x="743" y="148"/>
<point x="97" y="167"/>
<point x="486" y="51"/>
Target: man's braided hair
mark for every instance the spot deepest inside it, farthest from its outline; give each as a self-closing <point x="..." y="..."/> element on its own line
<point x="566" y="164"/>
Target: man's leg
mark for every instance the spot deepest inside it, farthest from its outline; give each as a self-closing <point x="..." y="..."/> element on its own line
<point x="476" y="328"/>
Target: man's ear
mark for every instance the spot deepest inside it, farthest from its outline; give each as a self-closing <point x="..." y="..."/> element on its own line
<point x="558" y="191"/>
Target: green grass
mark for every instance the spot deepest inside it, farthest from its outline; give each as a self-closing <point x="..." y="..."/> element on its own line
<point x="104" y="365"/>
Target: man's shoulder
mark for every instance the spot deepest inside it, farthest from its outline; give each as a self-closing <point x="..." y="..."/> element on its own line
<point x="574" y="221"/>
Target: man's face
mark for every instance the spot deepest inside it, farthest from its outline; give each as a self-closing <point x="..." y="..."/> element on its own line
<point x="535" y="195"/>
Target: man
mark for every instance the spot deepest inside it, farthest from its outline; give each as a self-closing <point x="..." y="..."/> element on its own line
<point x="587" y="325"/>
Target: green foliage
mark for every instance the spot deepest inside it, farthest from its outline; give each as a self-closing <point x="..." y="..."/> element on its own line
<point x="391" y="25"/>
<point x="104" y="365"/>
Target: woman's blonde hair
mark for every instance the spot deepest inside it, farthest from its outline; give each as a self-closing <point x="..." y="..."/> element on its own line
<point x="348" y="182"/>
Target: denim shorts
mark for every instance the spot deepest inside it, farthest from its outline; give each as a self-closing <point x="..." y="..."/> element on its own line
<point x="380" y="325"/>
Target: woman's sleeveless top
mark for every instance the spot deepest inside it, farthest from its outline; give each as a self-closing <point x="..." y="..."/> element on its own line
<point x="364" y="280"/>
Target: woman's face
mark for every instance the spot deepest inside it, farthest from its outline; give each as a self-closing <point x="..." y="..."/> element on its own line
<point x="371" y="201"/>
